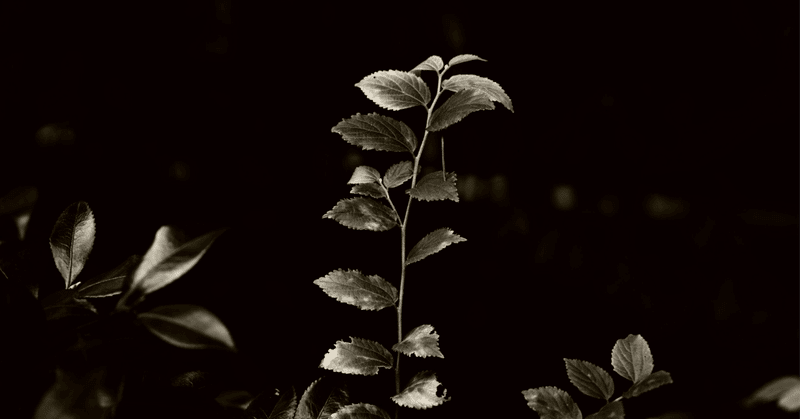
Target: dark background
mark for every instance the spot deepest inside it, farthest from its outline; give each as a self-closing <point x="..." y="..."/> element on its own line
<point x="674" y="127"/>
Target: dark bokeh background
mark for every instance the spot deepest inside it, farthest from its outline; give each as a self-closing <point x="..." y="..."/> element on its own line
<point x="646" y="183"/>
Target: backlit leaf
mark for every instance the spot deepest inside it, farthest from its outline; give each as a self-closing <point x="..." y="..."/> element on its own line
<point x="395" y="90"/>
<point x="273" y="405"/>
<point x="187" y="326"/>
<point x="432" y="188"/>
<point x="361" y="411"/>
<point x="359" y="357"/>
<point x="377" y="132"/>
<point x="432" y="243"/>
<point x="367" y="292"/>
<point x="398" y="174"/>
<point x="433" y="63"/>
<point x="654" y="380"/>
<point x="422" y="342"/>
<point x="458" y="59"/>
<point x="364" y="174"/>
<point x="631" y="358"/>
<point x="488" y="87"/>
<point x="590" y="379"/>
<point x="109" y="283"/>
<point x="420" y="393"/>
<point x="552" y="403"/>
<point x="369" y="189"/>
<point x="322" y="398"/>
<point x="611" y="410"/>
<point x="72" y="239"/>
<point x="461" y="104"/>
<point x="362" y="214"/>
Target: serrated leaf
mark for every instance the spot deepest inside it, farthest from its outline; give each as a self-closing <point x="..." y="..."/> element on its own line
<point x="611" y="410"/>
<point x="359" y="357"/>
<point x="377" y="132"/>
<point x="361" y="411"/>
<point x="369" y="189"/>
<point x="773" y="390"/>
<point x="187" y="326"/>
<point x="273" y="405"/>
<point x="458" y="59"/>
<point x="72" y="239"/>
<point x="590" y="379"/>
<point x="398" y="174"/>
<point x="632" y="359"/>
<point x="654" y="380"/>
<point x="433" y="63"/>
<point x="455" y="108"/>
<point x="395" y="90"/>
<point x="491" y="89"/>
<point x="352" y="287"/>
<point x="167" y="259"/>
<point x="420" y="393"/>
<point x="364" y="174"/>
<point x="432" y="243"/>
<point x="432" y="188"/>
<point x="322" y="398"/>
<point x="422" y="342"/>
<point x="109" y="283"/>
<point x="552" y="403"/>
<point x="362" y="214"/>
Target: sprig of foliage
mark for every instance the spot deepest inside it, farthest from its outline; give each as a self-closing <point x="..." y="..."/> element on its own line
<point x="397" y="90"/>
<point x="631" y="358"/>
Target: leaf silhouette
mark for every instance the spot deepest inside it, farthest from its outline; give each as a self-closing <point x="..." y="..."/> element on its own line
<point x="110" y="283"/>
<point x="488" y="87"/>
<point x="552" y="403"/>
<point x="611" y="410"/>
<point x="352" y="287"/>
<point x="369" y="189"/>
<point x="362" y="214"/>
<point x="420" y="393"/>
<point x="458" y="106"/>
<point x="72" y="239"/>
<point x="187" y="326"/>
<point x="359" y="357"/>
<point x="432" y="243"/>
<point x="395" y="90"/>
<point x="433" y="63"/>
<point x="422" y="342"/>
<point x="322" y="398"/>
<point x="273" y="405"/>
<point x="398" y="174"/>
<point x="655" y="380"/>
<point x="631" y="358"/>
<point x="458" y="59"/>
<point x="361" y="411"/>
<point x="590" y="379"/>
<point x="432" y="188"/>
<point x="364" y="174"/>
<point x="377" y="132"/>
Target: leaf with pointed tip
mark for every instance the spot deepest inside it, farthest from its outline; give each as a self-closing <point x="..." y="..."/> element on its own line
<point x="432" y="243"/>
<point x="187" y="326"/>
<point x="72" y="239"/>
<point x="420" y="393"/>
<point x="590" y="379"/>
<point x="167" y="259"/>
<point x="360" y="357"/>
<point x="273" y="405"/>
<point x="362" y="214"/>
<point x="611" y="410"/>
<point x="110" y="283"/>
<point x="352" y="287"/>
<point x="398" y="174"/>
<point x="654" y="380"/>
<point x="395" y="90"/>
<point x="488" y="87"/>
<point x="377" y="132"/>
<point x="433" y="63"/>
<point x="632" y="359"/>
<point x="458" y="59"/>
<point x="369" y="189"/>
<point x="422" y="342"/>
<point x="552" y="403"/>
<point x="361" y="411"/>
<point x="364" y="174"/>
<point x="455" y="108"/>
<point x="322" y="398"/>
<point x="432" y="188"/>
